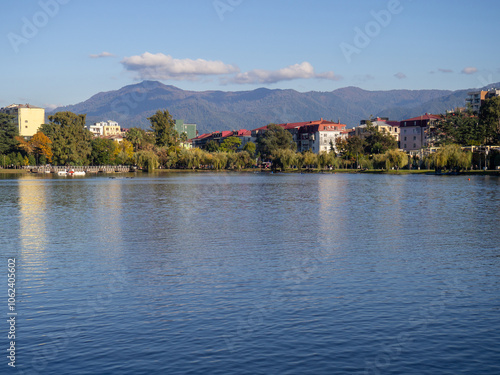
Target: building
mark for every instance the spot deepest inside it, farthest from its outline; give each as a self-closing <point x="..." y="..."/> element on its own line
<point x="476" y="98"/>
<point x="201" y="140"/>
<point x="244" y="135"/>
<point x="28" y="118"/>
<point x="189" y="129"/>
<point x="105" y="129"/>
<point x="382" y="124"/>
<point x="415" y="133"/>
<point x="319" y="136"/>
<point x="314" y="136"/>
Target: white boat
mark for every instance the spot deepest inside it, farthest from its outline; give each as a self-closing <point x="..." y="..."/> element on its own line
<point x="71" y="172"/>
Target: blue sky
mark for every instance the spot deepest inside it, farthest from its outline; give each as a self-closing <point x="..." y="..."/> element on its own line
<point x="60" y="52"/>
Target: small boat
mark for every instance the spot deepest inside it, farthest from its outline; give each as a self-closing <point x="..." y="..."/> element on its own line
<point x="71" y="172"/>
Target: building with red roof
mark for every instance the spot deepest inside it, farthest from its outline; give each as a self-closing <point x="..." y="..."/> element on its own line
<point x="218" y="136"/>
<point x="315" y="136"/>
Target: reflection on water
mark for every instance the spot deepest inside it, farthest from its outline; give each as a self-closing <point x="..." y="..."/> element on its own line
<point x="33" y="223"/>
<point x="255" y="273"/>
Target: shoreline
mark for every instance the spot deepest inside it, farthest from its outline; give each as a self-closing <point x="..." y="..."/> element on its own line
<point x="312" y="171"/>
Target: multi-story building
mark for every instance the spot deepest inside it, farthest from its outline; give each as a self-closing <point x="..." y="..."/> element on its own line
<point x="28" y="118"/>
<point x="477" y="98"/>
<point x="415" y="133"/>
<point x="106" y="128"/>
<point x="319" y="136"/>
<point x="314" y="136"/>
<point x="189" y="129"/>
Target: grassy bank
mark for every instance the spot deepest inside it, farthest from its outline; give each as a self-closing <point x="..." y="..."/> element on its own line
<point x="13" y="171"/>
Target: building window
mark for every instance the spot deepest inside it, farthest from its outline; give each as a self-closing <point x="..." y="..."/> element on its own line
<point x="405" y="131"/>
<point x="405" y="139"/>
<point x="25" y="121"/>
<point x="414" y="138"/>
<point x="414" y="145"/>
<point x="405" y="145"/>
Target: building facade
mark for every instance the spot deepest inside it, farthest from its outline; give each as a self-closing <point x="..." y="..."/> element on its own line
<point x="415" y="133"/>
<point x="189" y="129"/>
<point x="319" y="136"/>
<point x="315" y="136"/>
<point x="476" y="99"/>
<point x="28" y="118"/>
<point x="105" y="129"/>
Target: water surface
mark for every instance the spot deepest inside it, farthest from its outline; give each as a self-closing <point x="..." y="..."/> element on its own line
<point x="222" y="273"/>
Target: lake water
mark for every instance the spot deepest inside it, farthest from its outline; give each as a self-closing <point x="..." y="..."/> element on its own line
<point x="225" y="273"/>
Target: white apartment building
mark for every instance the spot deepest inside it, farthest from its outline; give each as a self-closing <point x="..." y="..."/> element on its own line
<point x="106" y="128"/>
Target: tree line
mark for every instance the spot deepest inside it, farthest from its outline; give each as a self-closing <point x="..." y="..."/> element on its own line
<point x="66" y="141"/>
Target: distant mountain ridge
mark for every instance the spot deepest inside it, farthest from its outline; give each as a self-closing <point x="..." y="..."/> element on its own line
<point x="226" y="110"/>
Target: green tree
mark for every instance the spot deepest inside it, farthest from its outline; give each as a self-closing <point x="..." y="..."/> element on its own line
<point x="147" y="159"/>
<point x="310" y="160"/>
<point x="283" y="158"/>
<point x="395" y="159"/>
<point x="461" y="128"/>
<point x="71" y="141"/>
<point x="451" y="157"/>
<point x="244" y="159"/>
<point x="102" y="151"/>
<point x="212" y="146"/>
<point x="230" y="144"/>
<point x="163" y="127"/>
<point x="250" y="147"/>
<point x="137" y="137"/>
<point x="8" y="133"/>
<point x="489" y="121"/>
<point x="274" y="138"/>
<point x="378" y="142"/>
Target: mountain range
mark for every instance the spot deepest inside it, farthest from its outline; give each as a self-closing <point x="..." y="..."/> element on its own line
<point x="131" y="105"/>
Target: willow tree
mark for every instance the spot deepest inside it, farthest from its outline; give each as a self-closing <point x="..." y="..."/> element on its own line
<point x="395" y="159"/>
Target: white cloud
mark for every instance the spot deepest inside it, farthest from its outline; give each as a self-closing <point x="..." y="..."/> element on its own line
<point x="400" y="75"/>
<point x="469" y="70"/>
<point x="101" y="55"/>
<point x="165" y="67"/>
<point x="298" y="71"/>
